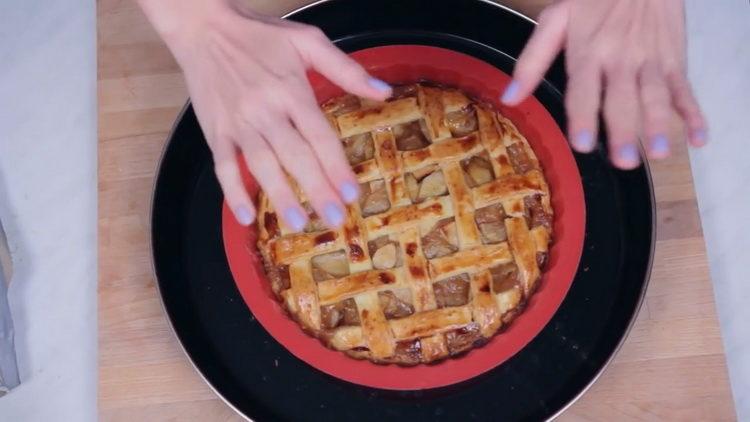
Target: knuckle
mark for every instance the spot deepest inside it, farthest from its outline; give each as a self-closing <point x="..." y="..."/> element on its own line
<point x="616" y="116"/>
<point x="548" y="14"/>
<point x="318" y="137"/>
<point x="571" y="103"/>
<point x="577" y="58"/>
<point x="289" y="79"/>
<point x="601" y="51"/>
<point x="269" y="88"/>
<point x="289" y="95"/>
<point x="299" y="160"/>
<point x="265" y="121"/>
<point x="281" y="76"/>
<point x="657" y="115"/>
<point x="678" y="81"/>
<point x="226" y="169"/>
<point x="222" y="138"/>
<point x="583" y="80"/>
<point x="258" y="159"/>
<point x="278" y="191"/>
<point x="684" y="99"/>
<point x="544" y="16"/>
<point x="620" y="67"/>
<point x="304" y="169"/>
<point x="340" y="168"/>
<point x="573" y="97"/>
<point x="655" y="98"/>
<point x="672" y="66"/>
<point x="288" y="142"/>
<point x="526" y="68"/>
<point x="312" y="32"/>
<point x="246" y="108"/>
<point x="350" y="69"/>
<point x="696" y="119"/>
<point x="316" y="186"/>
<point x="577" y="105"/>
<point x="317" y="127"/>
<point x="580" y="63"/>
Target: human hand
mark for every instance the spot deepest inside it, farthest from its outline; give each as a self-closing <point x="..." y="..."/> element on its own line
<point x="246" y="74"/>
<point x="631" y="53"/>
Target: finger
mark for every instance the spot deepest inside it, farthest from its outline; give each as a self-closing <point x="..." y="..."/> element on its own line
<point x="656" y="109"/>
<point x="320" y="54"/>
<point x="298" y="158"/>
<point x="621" y="111"/>
<point x="582" y="101"/>
<point x="262" y="163"/>
<point x="309" y="120"/>
<point x="228" y="173"/>
<point x="686" y="105"/>
<point x="543" y="46"/>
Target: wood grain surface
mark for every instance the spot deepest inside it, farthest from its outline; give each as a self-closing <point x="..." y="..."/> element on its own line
<point x="671" y="367"/>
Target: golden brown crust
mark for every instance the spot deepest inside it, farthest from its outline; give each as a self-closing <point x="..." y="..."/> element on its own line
<point x="432" y="292"/>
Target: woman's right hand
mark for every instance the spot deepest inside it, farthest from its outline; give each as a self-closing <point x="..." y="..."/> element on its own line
<point x="246" y="74"/>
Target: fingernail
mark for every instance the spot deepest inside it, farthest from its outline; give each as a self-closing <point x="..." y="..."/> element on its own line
<point x="295" y="219"/>
<point x="660" y="145"/>
<point x="349" y="192"/>
<point x="511" y="92"/>
<point x="700" y="137"/>
<point x="243" y="215"/>
<point x="584" y="141"/>
<point x="379" y="85"/>
<point x="628" y="154"/>
<point x="334" y="214"/>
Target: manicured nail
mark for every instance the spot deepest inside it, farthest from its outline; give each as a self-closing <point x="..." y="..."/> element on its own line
<point x="659" y="145"/>
<point x="628" y="154"/>
<point x="334" y="214"/>
<point x="700" y="137"/>
<point x="243" y="215"/>
<point x="349" y="192"/>
<point x="583" y="141"/>
<point x="511" y="92"/>
<point x="379" y="85"/>
<point x="295" y="219"/>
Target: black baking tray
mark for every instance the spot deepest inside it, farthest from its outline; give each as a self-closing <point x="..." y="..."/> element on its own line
<point x="261" y="380"/>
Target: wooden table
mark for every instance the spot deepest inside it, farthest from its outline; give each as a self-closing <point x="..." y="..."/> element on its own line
<point x="671" y="367"/>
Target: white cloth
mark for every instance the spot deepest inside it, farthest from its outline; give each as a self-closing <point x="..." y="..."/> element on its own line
<point x="48" y="204"/>
<point x="719" y="55"/>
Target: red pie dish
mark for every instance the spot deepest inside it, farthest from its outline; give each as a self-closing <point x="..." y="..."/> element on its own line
<point x="408" y="64"/>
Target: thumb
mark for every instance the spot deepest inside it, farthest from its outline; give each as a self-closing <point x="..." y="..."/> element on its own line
<point x="546" y="41"/>
<point x="320" y="54"/>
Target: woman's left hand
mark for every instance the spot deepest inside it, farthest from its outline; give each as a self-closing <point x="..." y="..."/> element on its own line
<point x="626" y="57"/>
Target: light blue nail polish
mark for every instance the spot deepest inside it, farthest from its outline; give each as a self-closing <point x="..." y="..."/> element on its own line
<point x="700" y="136"/>
<point x="334" y="214"/>
<point x="659" y="144"/>
<point x="349" y="192"/>
<point x="243" y="215"/>
<point x="584" y="141"/>
<point x="295" y="219"/>
<point x="379" y="85"/>
<point x="511" y="92"/>
<point x="629" y="154"/>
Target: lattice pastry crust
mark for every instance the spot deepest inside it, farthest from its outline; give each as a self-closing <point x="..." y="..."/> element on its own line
<point x="445" y="245"/>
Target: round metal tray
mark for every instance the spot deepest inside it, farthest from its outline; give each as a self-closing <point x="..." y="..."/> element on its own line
<point x="263" y="381"/>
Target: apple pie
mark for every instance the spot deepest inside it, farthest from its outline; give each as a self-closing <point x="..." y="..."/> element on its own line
<point x="446" y="245"/>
